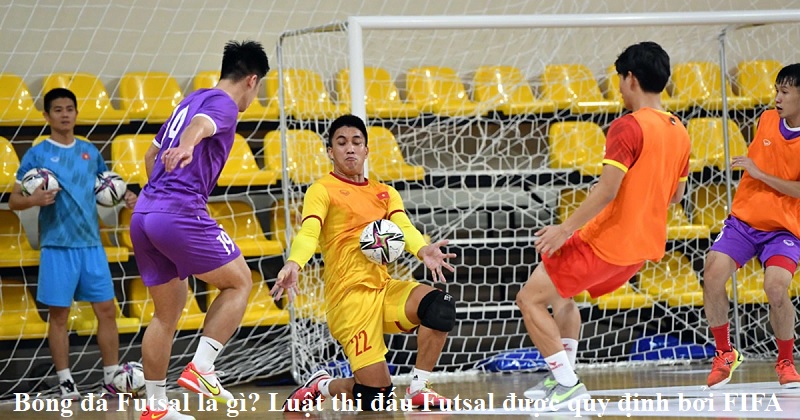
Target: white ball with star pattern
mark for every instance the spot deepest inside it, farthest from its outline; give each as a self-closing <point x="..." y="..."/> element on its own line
<point x="382" y="241"/>
<point x="109" y="188"/>
<point x="37" y="177"/>
<point x="130" y="378"/>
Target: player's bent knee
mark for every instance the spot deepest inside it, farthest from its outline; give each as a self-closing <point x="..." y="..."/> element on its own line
<point x="372" y="398"/>
<point x="437" y="311"/>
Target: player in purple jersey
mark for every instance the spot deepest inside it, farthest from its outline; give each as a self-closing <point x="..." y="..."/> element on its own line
<point x="173" y="235"/>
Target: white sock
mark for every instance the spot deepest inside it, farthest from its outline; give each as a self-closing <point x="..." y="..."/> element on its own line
<point x="108" y="373"/>
<point x="64" y="375"/>
<point x="156" y="394"/>
<point x="206" y="354"/>
<point x="571" y="347"/>
<point x="562" y="371"/>
<point x="419" y="378"/>
<point x="323" y="387"/>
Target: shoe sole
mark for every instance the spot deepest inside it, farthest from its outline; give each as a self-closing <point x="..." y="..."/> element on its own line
<point x="555" y="407"/>
<point x="306" y="384"/>
<point x="535" y="395"/>
<point x="791" y="385"/>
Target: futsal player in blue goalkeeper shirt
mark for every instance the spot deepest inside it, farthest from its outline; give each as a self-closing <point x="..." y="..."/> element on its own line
<point x="73" y="264"/>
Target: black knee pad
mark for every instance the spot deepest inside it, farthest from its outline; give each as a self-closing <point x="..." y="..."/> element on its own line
<point x="371" y="398"/>
<point x="437" y="311"/>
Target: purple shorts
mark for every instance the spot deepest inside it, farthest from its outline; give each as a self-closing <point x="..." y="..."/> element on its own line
<point x="169" y="245"/>
<point x="741" y="242"/>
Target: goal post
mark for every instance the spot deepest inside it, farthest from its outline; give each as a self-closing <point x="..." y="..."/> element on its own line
<point x="641" y="322"/>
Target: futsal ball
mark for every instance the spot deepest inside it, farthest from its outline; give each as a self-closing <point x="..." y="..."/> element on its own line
<point x="129" y="378"/>
<point x="109" y="188"/>
<point x="34" y="178"/>
<point x="382" y="242"/>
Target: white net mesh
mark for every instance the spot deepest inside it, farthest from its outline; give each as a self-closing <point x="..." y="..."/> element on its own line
<point x="484" y="179"/>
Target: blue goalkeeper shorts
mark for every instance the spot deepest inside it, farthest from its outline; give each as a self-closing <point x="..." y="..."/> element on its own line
<point x="67" y="274"/>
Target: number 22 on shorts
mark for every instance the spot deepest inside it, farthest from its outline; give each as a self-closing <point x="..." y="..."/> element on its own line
<point x="360" y="341"/>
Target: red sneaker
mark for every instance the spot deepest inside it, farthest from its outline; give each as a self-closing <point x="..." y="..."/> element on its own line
<point x="426" y="397"/>
<point x="787" y="374"/>
<point x="723" y="366"/>
<point x="308" y="391"/>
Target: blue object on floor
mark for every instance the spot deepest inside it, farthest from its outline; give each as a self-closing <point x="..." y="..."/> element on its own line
<point x="528" y="359"/>
<point x="665" y="346"/>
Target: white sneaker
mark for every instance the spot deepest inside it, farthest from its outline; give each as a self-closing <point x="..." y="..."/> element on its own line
<point x="541" y="389"/>
<point x="69" y="391"/>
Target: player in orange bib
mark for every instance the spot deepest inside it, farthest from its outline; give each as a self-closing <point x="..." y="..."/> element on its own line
<point x="621" y="224"/>
<point x="764" y="223"/>
<point x="362" y="302"/>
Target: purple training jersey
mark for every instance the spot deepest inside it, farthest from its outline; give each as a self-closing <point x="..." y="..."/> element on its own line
<point x="185" y="190"/>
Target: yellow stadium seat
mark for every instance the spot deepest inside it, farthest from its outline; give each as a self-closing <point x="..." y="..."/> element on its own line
<point x="17" y="251"/>
<point x="310" y="301"/>
<point x="711" y="206"/>
<point x="439" y="91"/>
<point x="19" y="318"/>
<point x="569" y="202"/>
<point x="307" y="155"/>
<point x="794" y="287"/>
<point x="573" y="87"/>
<point x="241" y="224"/>
<point x="679" y="227"/>
<point x="241" y="168"/>
<point x="150" y="96"/>
<point x="506" y="90"/>
<point x="261" y="309"/>
<point x="9" y="165"/>
<point x="613" y="94"/>
<point x="305" y="96"/>
<point x="94" y="103"/>
<point x="114" y="253"/>
<point x="255" y="112"/>
<point x="123" y="228"/>
<point x="750" y="283"/>
<point x="625" y="297"/>
<point x="83" y="321"/>
<point x="577" y="145"/>
<point x="127" y="153"/>
<point x="16" y="103"/>
<point x="381" y="97"/>
<point x="756" y="79"/>
<point x="672" y="280"/>
<point x="700" y="84"/>
<point x="142" y="307"/>
<point x="708" y="141"/>
<point x="386" y="161"/>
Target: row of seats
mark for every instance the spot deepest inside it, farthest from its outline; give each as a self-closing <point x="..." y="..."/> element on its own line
<point x="152" y="96"/>
<point x="307" y="159"/>
<point x="19" y="317"/>
<point x="673" y="282"/>
<point x="573" y="145"/>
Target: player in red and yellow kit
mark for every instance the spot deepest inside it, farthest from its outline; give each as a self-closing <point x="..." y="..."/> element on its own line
<point x="764" y="222"/>
<point x="645" y="169"/>
<point x="362" y="302"/>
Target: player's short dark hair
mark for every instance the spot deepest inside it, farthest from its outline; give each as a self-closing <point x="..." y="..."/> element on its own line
<point x="789" y="75"/>
<point x="58" y="93"/>
<point x="347" y="120"/>
<point x="648" y="62"/>
<point x="241" y="59"/>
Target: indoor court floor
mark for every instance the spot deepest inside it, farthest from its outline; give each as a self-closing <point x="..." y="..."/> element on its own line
<point x="616" y="393"/>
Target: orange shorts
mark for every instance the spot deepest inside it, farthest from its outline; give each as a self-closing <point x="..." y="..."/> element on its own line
<point x="575" y="268"/>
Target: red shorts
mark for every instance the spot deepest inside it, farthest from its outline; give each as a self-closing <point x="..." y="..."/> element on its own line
<point x="575" y="268"/>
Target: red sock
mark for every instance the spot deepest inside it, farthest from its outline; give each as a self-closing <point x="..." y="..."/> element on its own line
<point x="722" y="337"/>
<point x="785" y="349"/>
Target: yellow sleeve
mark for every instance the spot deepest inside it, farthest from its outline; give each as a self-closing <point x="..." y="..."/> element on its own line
<point x="397" y="214"/>
<point x="315" y="209"/>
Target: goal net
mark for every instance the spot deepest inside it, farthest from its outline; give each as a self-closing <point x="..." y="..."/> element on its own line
<point x="473" y="166"/>
<point x="509" y="137"/>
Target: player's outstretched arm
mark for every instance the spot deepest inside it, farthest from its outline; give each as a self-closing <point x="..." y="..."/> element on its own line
<point x="551" y="238"/>
<point x="433" y="258"/>
<point x="287" y="280"/>
<point x="783" y="186"/>
<point x="178" y="157"/>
